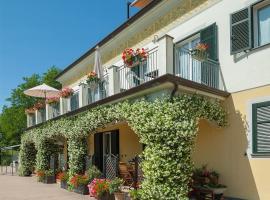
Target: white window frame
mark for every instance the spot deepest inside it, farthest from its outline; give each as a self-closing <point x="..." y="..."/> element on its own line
<point x="255" y="8"/>
<point x="182" y="43"/>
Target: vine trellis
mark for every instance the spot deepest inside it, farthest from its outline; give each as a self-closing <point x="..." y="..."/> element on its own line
<point x="167" y="126"/>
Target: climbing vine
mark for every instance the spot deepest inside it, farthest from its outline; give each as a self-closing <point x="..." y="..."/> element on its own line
<point x="168" y="127"/>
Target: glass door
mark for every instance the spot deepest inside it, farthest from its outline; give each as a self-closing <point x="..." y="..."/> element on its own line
<point x="186" y="66"/>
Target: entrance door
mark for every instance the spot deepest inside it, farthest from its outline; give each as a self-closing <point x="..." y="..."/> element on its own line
<point x="106" y="143"/>
<point x="98" y="150"/>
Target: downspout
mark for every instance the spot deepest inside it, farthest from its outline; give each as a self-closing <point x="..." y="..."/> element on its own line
<point x="174" y="90"/>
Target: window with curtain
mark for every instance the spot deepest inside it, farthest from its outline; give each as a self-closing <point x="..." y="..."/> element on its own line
<point x="264" y="25"/>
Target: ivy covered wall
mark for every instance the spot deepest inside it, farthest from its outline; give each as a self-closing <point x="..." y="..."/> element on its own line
<point x="168" y="127"/>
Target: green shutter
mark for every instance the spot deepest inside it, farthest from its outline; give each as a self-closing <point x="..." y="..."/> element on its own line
<point x="209" y="36"/>
<point x="241" y="34"/>
<point x="261" y="127"/>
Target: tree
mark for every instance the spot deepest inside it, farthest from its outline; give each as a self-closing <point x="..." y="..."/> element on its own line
<point x="13" y="118"/>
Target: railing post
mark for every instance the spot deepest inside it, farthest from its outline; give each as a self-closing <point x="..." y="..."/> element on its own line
<point x="113" y="79"/>
<point x="82" y="95"/>
<point x="47" y="111"/>
<point x="37" y="116"/>
<point x="165" y="55"/>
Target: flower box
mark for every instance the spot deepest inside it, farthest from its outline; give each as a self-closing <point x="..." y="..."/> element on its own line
<point x="82" y="189"/>
<point x="49" y="179"/>
<point x="64" y="185"/>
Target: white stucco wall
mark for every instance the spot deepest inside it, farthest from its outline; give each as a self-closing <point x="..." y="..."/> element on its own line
<point x="250" y="71"/>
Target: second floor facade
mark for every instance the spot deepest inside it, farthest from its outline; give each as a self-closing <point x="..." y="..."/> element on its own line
<point x="237" y="36"/>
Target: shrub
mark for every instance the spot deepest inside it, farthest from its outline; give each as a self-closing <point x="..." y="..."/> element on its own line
<point x="93" y="172"/>
<point x="115" y="184"/>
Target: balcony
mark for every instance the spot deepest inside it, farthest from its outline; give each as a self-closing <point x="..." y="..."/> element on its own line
<point x="137" y="75"/>
<point x="204" y="72"/>
<point x="164" y="58"/>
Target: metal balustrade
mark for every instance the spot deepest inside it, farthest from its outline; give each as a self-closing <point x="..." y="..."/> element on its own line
<point x="204" y="72"/>
<point x="137" y="75"/>
<point x="99" y="92"/>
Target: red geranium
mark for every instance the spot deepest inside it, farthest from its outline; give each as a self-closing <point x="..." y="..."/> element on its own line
<point x="130" y="56"/>
<point x="66" y="92"/>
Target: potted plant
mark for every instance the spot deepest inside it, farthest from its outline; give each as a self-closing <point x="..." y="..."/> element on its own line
<point x="115" y="188"/>
<point x="93" y="80"/>
<point x="134" y="194"/>
<point x="39" y="105"/>
<point x="200" y="52"/>
<point x="79" y="184"/>
<point x="40" y="175"/>
<point x="99" y="188"/>
<point x="52" y="100"/>
<point x="132" y="58"/>
<point x="63" y="177"/>
<point x="93" y="172"/>
<point x="66" y="92"/>
<point x="49" y="177"/>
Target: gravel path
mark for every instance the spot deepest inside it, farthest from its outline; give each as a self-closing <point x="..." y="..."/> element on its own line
<point x="27" y="188"/>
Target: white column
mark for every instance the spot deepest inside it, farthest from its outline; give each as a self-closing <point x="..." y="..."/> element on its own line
<point x="114" y="85"/>
<point x="165" y="55"/>
<point x="28" y="120"/>
<point x="47" y="111"/>
<point x="37" y="116"/>
<point x="82" y="95"/>
<point x="61" y="106"/>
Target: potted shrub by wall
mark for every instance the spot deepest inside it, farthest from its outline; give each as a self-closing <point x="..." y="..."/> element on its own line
<point x="93" y="172"/>
<point x="49" y="177"/>
<point x="134" y="194"/>
<point x="115" y="189"/>
<point x="63" y="177"/>
<point x="40" y="175"/>
<point x="79" y="184"/>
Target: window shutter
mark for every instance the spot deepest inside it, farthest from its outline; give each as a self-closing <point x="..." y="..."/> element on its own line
<point x="261" y="127"/>
<point x="209" y="36"/>
<point x="241" y="34"/>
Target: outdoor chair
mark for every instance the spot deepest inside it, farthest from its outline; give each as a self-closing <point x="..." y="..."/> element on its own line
<point x="125" y="174"/>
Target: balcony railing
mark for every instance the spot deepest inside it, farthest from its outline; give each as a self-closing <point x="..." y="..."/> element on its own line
<point x="74" y="101"/>
<point x="99" y="92"/>
<point x="41" y="116"/>
<point x="54" y="110"/>
<point x="145" y="71"/>
<point x="206" y="72"/>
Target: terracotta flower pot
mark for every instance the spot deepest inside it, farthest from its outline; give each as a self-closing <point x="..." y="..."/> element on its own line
<point x="119" y="196"/>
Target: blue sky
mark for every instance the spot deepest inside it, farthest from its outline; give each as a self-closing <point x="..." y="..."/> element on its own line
<point x="36" y="34"/>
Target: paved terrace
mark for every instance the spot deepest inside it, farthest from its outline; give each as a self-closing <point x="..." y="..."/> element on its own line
<point x="27" y="188"/>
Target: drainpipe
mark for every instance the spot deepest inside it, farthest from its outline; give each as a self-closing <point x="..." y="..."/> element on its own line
<point x="174" y="90"/>
<point x="128" y="9"/>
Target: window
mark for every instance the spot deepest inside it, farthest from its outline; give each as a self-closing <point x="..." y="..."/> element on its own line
<point x="261" y="128"/>
<point x="74" y="101"/>
<point x="262" y="23"/>
<point x="250" y="27"/>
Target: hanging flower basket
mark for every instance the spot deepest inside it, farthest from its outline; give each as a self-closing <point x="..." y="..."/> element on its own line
<point x="93" y="80"/>
<point x="39" y="105"/>
<point x="66" y="92"/>
<point x="52" y="100"/>
<point x="200" y="52"/>
<point x="132" y="58"/>
<point x="30" y="111"/>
